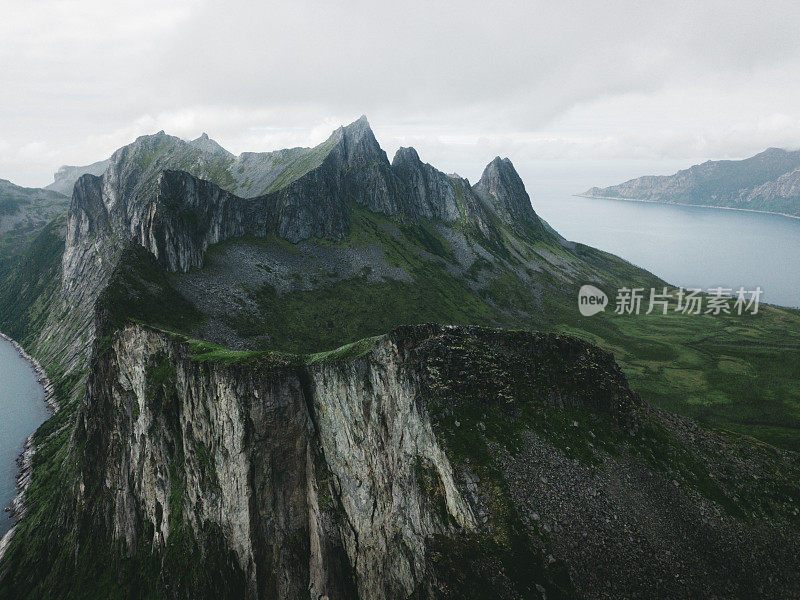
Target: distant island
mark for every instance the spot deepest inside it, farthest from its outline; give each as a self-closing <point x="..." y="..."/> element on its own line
<point x="767" y="182"/>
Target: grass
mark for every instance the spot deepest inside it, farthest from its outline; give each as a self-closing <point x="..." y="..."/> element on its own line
<point x="736" y="373"/>
<point x="28" y="283"/>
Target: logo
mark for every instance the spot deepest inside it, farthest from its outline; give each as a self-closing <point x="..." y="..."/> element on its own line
<point x="591" y="300"/>
<point x="687" y="301"/>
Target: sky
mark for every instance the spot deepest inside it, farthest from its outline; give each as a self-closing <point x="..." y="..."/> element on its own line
<point x="627" y="88"/>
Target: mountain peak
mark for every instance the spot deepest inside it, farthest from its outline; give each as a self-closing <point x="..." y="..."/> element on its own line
<point x="501" y="182"/>
<point x="206" y="144"/>
<point x="357" y="143"/>
<point x="498" y="163"/>
<point x="361" y="121"/>
<point x="358" y="130"/>
<point x="404" y="156"/>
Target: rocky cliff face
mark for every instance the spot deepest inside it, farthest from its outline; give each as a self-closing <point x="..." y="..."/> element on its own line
<point x="189" y="214"/>
<point x="429" y="192"/>
<point x="307" y="475"/>
<point x="433" y="462"/>
<point x="501" y="183"/>
<point x="176" y="198"/>
<point x="176" y="215"/>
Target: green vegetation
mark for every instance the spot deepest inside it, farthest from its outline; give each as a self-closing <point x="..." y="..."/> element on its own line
<point x="347" y="352"/>
<point x="140" y="290"/>
<point x="740" y="373"/>
<point x="28" y="282"/>
<point x="207" y="352"/>
<point x="300" y="163"/>
<point x="352" y="309"/>
<point x="482" y="399"/>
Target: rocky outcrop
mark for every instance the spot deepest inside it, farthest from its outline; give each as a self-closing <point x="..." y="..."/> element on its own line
<point x="189" y="214"/>
<point x="177" y="216"/>
<point x="186" y="214"/>
<point x="503" y="186"/>
<point x="429" y="192"/>
<point x="307" y="473"/>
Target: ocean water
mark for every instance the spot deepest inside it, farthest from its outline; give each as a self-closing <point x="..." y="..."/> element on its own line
<point x="685" y="245"/>
<point x="22" y="410"/>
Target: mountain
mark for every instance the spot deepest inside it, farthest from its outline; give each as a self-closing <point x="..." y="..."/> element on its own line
<point x="769" y="181"/>
<point x="358" y="222"/>
<point x="332" y="387"/>
<point x="64" y="179"/>
<point x="28" y="209"/>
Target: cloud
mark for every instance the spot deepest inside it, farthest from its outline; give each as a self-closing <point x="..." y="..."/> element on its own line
<point x="572" y="80"/>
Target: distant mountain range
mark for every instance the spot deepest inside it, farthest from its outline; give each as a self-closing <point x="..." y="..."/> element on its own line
<point x="767" y="182"/>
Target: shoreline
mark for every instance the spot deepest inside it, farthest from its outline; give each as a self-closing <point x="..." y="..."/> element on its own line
<point x="16" y="510"/>
<point x="41" y="374"/>
<point x="752" y="210"/>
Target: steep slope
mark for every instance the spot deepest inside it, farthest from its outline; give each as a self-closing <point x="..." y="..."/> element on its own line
<point x="765" y="182"/>
<point x="361" y="232"/>
<point x="434" y="462"/>
<point x="177" y="215"/>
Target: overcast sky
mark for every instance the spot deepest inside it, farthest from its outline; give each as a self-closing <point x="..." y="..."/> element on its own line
<point x="664" y="82"/>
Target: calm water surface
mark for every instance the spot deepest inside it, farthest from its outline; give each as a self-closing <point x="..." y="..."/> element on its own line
<point x="685" y="245"/>
<point x="22" y="410"/>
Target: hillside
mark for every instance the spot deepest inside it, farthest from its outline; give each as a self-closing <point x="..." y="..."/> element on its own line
<point x="237" y="421"/>
<point x="24" y="212"/>
<point x="769" y="182"/>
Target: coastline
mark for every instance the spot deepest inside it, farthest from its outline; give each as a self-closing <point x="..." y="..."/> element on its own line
<point x="24" y="461"/>
<point x="41" y="374"/>
<point x="753" y="210"/>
